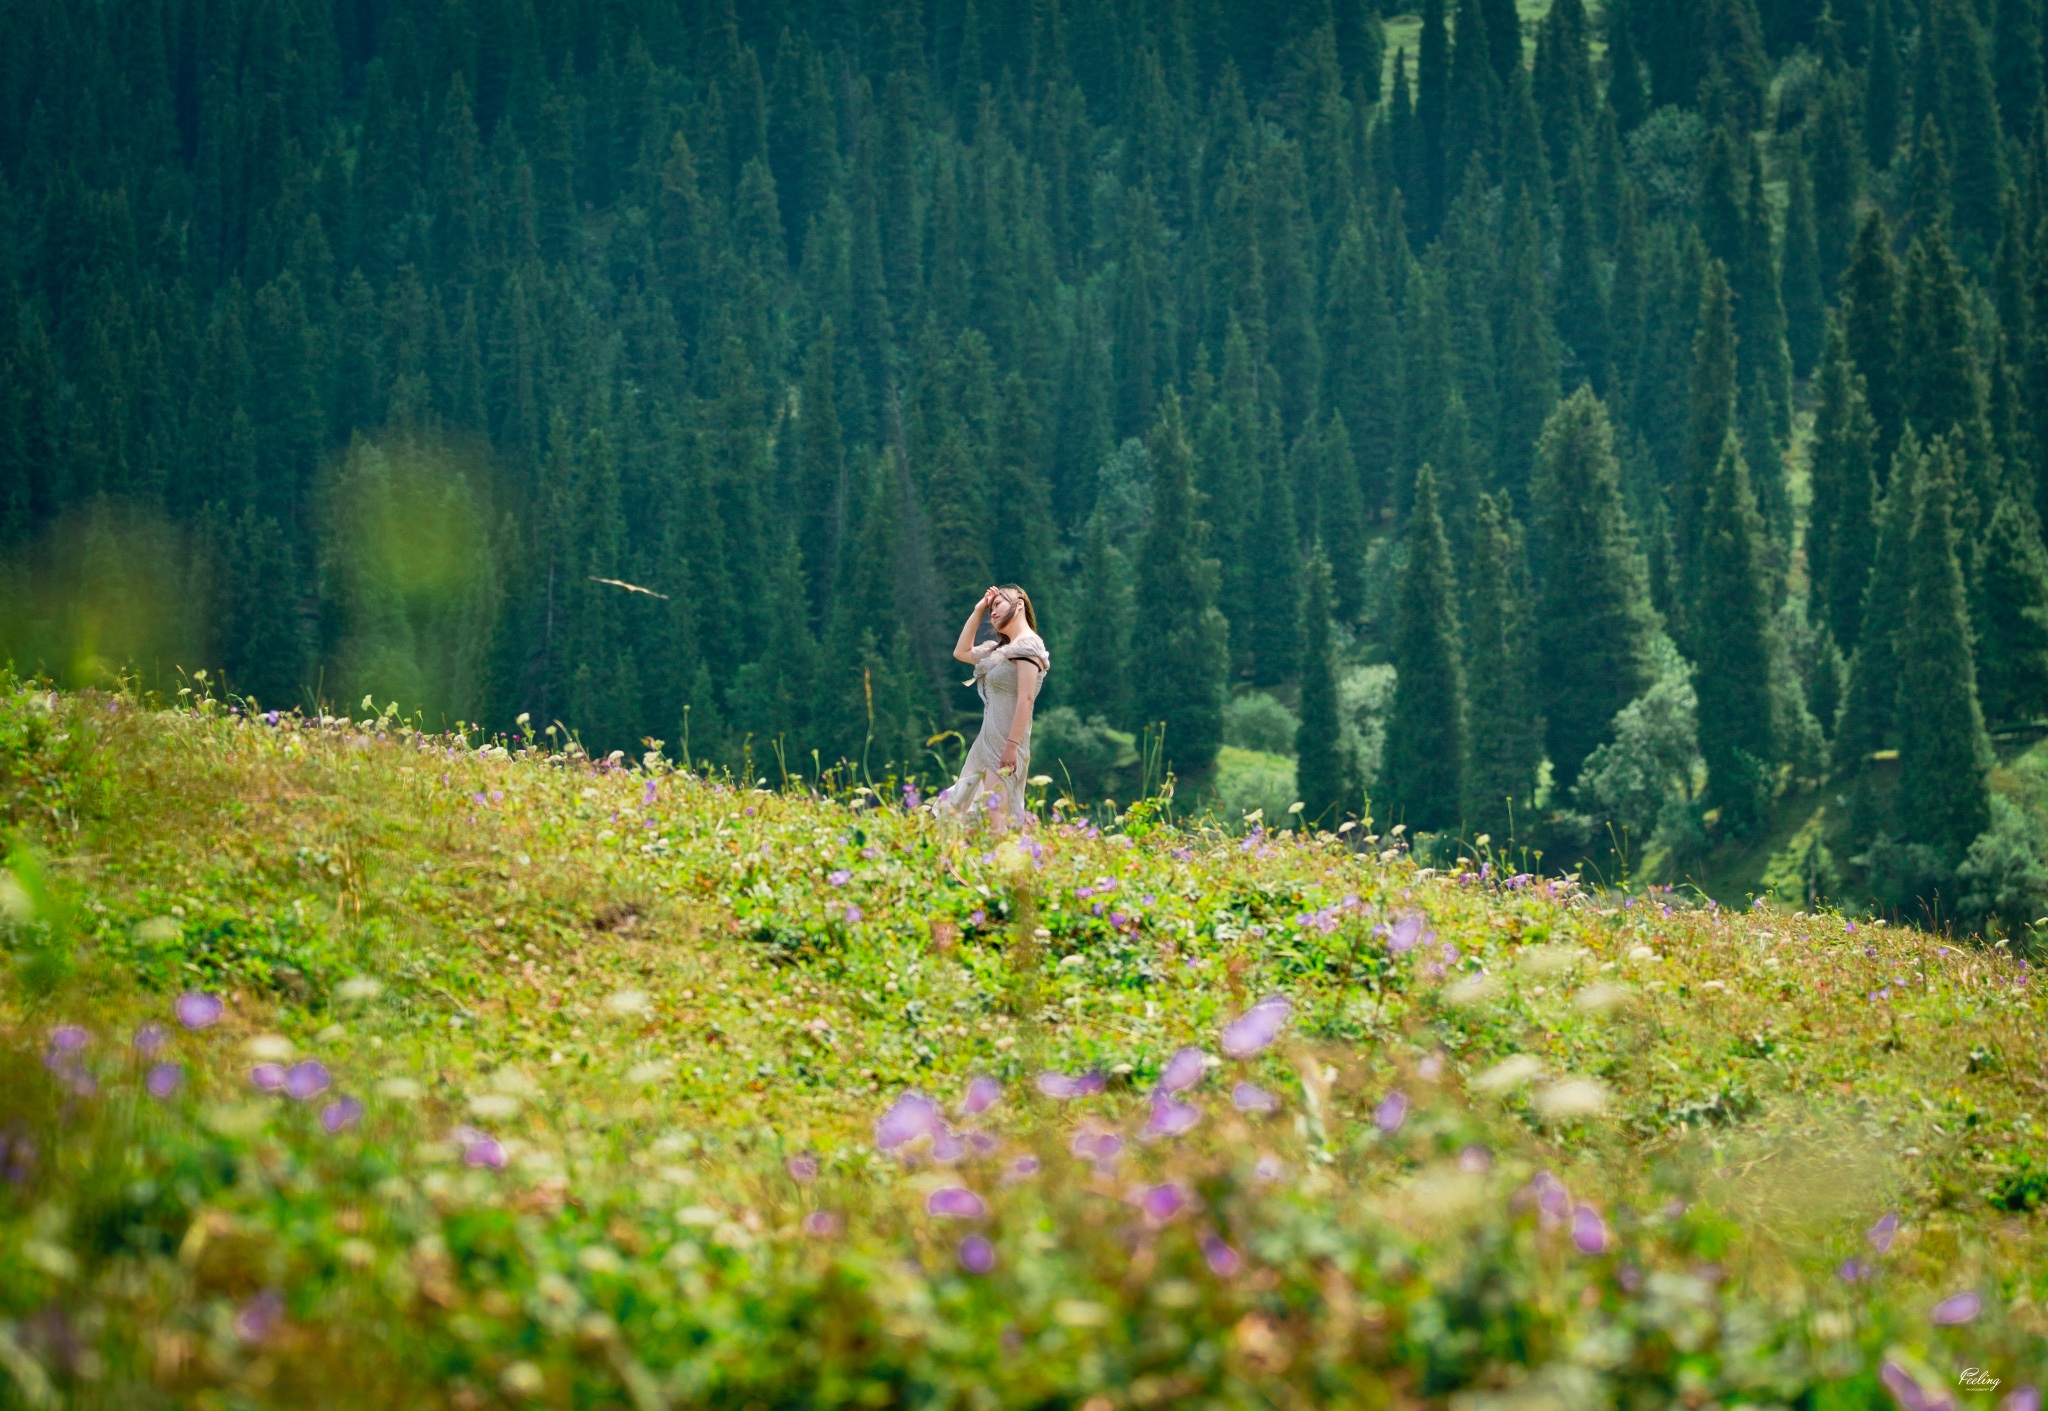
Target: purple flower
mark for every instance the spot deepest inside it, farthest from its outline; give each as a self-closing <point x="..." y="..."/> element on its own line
<point x="1183" y="1070"/>
<point x="1248" y="1097"/>
<point x="1171" y="1117"/>
<point x="1223" y="1261"/>
<point x="1475" y="1160"/>
<point x="486" y="1152"/>
<point x="65" y="1041"/>
<point x="802" y="1168"/>
<point x="341" y="1114"/>
<point x="1883" y="1233"/>
<point x="150" y="1040"/>
<point x="1956" y="1309"/>
<point x="198" y="1010"/>
<point x="648" y="797"/>
<point x="1162" y="1202"/>
<point x="1908" y="1393"/>
<point x="1096" y="1144"/>
<point x="306" y="1081"/>
<point x="977" y="918"/>
<point x="1071" y="1085"/>
<point x="255" y="1319"/>
<point x="2026" y="1398"/>
<point x="1589" y="1231"/>
<point x="839" y="877"/>
<point x="163" y="1080"/>
<point x="911" y="797"/>
<point x="982" y="1143"/>
<point x="948" y="1145"/>
<point x="982" y="1094"/>
<point x="1257" y="1027"/>
<point x="822" y="1224"/>
<point x="955" y="1203"/>
<point x="1391" y="1113"/>
<point x="1853" y="1271"/>
<point x="1406" y="933"/>
<point x="853" y="914"/>
<point x="1022" y="1169"/>
<point x="914" y="1115"/>
<point x="977" y="1255"/>
<point x="270" y="717"/>
<point x="268" y="1077"/>
<point x="1268" y="1168"/>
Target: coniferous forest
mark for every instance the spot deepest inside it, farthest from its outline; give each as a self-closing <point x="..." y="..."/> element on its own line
<point x="1613" y="432"/>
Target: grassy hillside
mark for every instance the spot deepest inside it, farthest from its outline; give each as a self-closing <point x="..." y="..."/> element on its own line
<point x="583" y="1069"/>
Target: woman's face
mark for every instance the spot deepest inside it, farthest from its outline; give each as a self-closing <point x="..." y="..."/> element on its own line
<point x="1003" y="609"/>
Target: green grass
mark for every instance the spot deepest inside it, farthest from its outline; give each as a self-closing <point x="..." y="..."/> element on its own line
<point x="663" y="1003"/>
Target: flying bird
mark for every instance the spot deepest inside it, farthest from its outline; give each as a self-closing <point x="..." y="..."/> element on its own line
<point x="629" y="587"/>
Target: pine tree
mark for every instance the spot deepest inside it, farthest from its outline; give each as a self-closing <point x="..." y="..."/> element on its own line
<point x="1712" y="402"/>
<point x="1505" y="746"/>
<point x="1423" y="774"/>
<point x="1624" y="72"/>
<point x="1841" y="533"/>
<point x="1189" y="656"/>
<point x="1593" y="621"/>
<point x="1319" y="771"/>
<point x="1801" y="272"/>
<point x="1101" y="611"/>
<point x="1274" y="561"/>
<point x="1582" y="311"/>
<point x="2016" y="59"/>
<point x="1731" y="619"/>
<point x="1870" y="296"/>
<point x="1883" y="88"/>
<point x="1976" y="146"/>
<point x="1944" y="756"/>
<point x="1870" y="705"/>
<point x="2012" y="616"/>
<point x="1837" y="184"/>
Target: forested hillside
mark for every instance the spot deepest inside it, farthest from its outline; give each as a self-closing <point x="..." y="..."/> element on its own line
<point x="1661" y="392"/>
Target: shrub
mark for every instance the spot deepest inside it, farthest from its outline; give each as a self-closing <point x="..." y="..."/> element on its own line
<point x="1256" y="721"/>
<point x="1085" y="757"/>
<point x="2003" y="881"/>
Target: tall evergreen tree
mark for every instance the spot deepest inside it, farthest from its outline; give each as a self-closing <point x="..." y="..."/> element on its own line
<point x="1841" y="532"/>
<point x="1883" y="87"/>
<point x="1731" y="619"/>
<point x="1188" y="652"/>
<point x="1712" y="401"/>
<point x="1801" y="272"/>
<point x="1870" y="297"/>
<point x="1505" y="733"/>
<point x="1101" y="635"/>
<point x="1593" y="622"/>
<point x="2011" y="616"/>
<point x="1870" y="704"/>
<point x="1944" y="756"/>
<point x="1319" y="768"/>
<point x="1423" y="774"/>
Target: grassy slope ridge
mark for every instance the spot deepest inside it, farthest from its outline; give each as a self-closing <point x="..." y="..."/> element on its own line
<point x="661" y="999"/>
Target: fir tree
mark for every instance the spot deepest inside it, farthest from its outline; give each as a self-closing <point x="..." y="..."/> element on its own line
<point x="1801" y="276"/>
<point x="1883" y="87"/>
<point x="1593" y="620"/>
<point x="1944" y="756"/>
<point x="1319" y="771"/>
<point x="1870" y="704"/>
<point x="2012" y="616"/>
<point x="1423" y="774"/>
<point x="1870" y="296"/>
<point x="1505" y="746"/>
<point x="1712" y="401"/>
<point x="1841" y="535"/>
<point x="1188" y="653"/>
<point x="1731" y="619"/>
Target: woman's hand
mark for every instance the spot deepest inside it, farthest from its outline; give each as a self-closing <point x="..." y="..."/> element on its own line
<point x="1008" y="764"/>
<point x="988" y="600"/>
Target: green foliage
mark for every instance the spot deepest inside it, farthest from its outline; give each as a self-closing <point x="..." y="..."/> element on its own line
<point x="1732" y="632"/>
<point x="1256" y="721"/>
<point x="1593" y="614"/>
<point x="1187" y="651"/>
<point x="1087" y="757"/>
<point x="2003" y="879"/>
<point x="1422" y="779"/>
<point x="1327" y="794"/>
<point x="1644" y="780"/>
<point x="1944" y="757"/>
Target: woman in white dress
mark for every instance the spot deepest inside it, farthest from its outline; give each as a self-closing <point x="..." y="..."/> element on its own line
<point x="1007" y="673"/>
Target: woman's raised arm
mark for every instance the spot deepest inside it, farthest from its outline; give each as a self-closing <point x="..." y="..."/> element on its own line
<point x="963" y="650"/>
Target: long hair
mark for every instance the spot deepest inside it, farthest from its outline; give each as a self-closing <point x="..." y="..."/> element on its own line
<point x="1030" y="613"/>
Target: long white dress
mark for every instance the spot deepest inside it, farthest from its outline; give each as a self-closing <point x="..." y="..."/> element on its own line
<point x="982" y="790"/>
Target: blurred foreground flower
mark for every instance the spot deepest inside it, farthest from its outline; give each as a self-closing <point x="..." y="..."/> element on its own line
<point x="913" y="1115"/>
<point x="1956" y="1309"/>
<point x="955" y="1203"/>
<point x="164" y="1080"/>
<point x="1255" y="1029"/>
<point x="982" y="1093"/>
<point x="977" y="1255"/>
<point x="196" y="1010"/>
<point x="1249" y="1097"/>
<point x="1071" y="1085"/>
<point x="341" y="1114"/>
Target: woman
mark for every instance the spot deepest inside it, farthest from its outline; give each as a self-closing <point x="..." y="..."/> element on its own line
<point x="1007" y="673"/>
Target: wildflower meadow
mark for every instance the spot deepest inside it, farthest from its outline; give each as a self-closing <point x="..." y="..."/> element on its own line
<point x="347" y="1065"/>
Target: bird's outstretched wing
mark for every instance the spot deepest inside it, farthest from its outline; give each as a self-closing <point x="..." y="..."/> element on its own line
<point x="629" y="587"/>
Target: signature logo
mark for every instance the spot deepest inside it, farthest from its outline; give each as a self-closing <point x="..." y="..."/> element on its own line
<point x="1977" y="1379"/>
